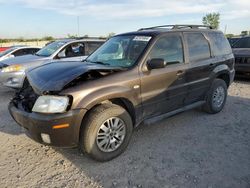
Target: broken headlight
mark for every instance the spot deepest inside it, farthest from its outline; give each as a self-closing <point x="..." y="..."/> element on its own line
<point x="51" y="104"/>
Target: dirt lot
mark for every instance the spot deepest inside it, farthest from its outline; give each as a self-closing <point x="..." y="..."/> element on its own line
<point x="192" y="149"/>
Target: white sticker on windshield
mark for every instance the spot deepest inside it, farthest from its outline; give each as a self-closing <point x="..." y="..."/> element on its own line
<point x="142" y="38"/>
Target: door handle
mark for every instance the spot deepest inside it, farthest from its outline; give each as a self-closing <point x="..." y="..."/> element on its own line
<point x="180" y="72"/>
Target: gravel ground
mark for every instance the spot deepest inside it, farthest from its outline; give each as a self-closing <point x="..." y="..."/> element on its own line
<point x="192" y="149"/>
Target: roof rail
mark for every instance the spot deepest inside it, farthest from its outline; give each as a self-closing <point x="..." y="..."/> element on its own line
<point x="79" y="38"/>
<point x="178" y="27"/>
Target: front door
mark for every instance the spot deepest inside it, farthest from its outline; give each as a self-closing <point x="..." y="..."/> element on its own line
<point x="163" y="90"/>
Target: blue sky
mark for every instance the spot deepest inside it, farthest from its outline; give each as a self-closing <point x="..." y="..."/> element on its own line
<point x="38" y="18"/>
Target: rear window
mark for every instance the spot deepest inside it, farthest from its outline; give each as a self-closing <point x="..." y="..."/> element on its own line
<point x="219" y="44"/>
<point x="242" y="43"/>
<point x="198" y="47"/>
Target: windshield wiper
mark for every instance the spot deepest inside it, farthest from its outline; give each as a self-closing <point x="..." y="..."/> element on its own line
<point x="97" y="62"/>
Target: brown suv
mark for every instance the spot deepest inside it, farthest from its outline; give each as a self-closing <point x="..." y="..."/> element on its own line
<point x="134" y="77"/>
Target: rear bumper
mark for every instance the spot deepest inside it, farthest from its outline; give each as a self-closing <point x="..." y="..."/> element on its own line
<point x="12" y="79"/>
<point x="37" y="124"/>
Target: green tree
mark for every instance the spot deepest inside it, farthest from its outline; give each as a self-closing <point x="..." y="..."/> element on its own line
<point x="110" y="35"/>
<point x="244" y="33"/>
<point x="212" y="19"/>
<point x="229" y="35"/>
<point x="72" y="36"/>
<point x="48" y="38"/>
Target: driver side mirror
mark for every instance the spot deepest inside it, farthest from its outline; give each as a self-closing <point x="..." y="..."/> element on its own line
<point x="156" y="63"/>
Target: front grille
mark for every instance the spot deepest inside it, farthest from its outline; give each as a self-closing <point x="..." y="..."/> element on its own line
<point x="242" y="60"/>
<point x="25" y="98"/>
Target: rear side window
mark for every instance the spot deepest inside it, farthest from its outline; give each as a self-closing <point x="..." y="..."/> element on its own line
<point x="32" y="50"/>
<point x="168" y="48"/>
<point x="198" y="46"/>
<point x="92" y="46"/>
<point x="219" y="44"/>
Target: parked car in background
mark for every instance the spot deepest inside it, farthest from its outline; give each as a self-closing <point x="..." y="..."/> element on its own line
<point x="15" y="51"/>
<point x="12" y="71"/>
<point x="140" y="76"/>
<point x="3" y="49"/>
<point x="233" y="40"/>
<point x="241" y="50"/>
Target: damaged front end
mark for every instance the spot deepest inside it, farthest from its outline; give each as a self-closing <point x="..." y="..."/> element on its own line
<point x="25" y="98"/>
<point x="52" y="78"/>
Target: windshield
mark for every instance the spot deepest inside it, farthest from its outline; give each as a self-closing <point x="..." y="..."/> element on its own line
<point x="121" y="51"/>
<point x="6" y="52"/>
<point x="242" y="43"/>
<point x="50" y="49"/>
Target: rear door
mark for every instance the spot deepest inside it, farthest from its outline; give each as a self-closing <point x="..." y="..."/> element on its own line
<point x="163" y="90"/>
<point x="200" y="63"/>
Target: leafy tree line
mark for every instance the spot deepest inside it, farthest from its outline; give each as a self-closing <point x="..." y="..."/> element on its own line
<point x="47" y="38"/>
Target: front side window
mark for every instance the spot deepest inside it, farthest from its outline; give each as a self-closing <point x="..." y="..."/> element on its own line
<point x="73" y="50"/>
<point x="20" y="52"/>
<point x="168" y="48"/>
<point x="50" y="48"/>
<point x="198" y="47"/>
<point x="242" y="43"/>
<point x="122" y="51"/>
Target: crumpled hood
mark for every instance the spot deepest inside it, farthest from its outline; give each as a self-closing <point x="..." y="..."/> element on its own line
<point x="238" y="52"/>
<point x="22" y="59"/>
<point x="53" y="77"/>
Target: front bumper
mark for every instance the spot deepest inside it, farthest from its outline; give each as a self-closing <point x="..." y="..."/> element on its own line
<point x="242" y="68"/>
<point x="12" y="79"/>
<point x="37" y="124"/>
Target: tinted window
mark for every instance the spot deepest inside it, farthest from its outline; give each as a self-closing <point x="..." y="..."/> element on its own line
<point x="168" y="48"/>
<point x="198" y="46"/>
<point x="20" y="52"/>
<point x="219" y="44"/>
<point x="92" y="46"/>
<point x="242" y="43"/>
<point x="32" y="50"/>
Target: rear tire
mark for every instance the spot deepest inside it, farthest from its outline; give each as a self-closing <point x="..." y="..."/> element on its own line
<point x="216" y="97"/>
<point x="106" y="132"/>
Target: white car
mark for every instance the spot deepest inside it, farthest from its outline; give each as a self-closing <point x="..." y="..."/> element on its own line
<point x="16" y="51"/>
<point x="12" y="71"/>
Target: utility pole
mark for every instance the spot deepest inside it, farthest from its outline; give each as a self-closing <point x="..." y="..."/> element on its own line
<point x="78" y="31"/>
<point x="225" y="31"/>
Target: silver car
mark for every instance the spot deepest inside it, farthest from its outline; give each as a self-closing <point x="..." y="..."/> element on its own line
<point x="16" y="51"/>
<point x="12" y="71"/>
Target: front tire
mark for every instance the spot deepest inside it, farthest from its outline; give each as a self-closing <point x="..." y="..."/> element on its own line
<point x="106" y="132"/>
<point x="216" y="97"/>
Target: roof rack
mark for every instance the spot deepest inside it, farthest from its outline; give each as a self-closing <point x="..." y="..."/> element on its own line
<point x="79" y="38"/>
<point x="178" y="27"/>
